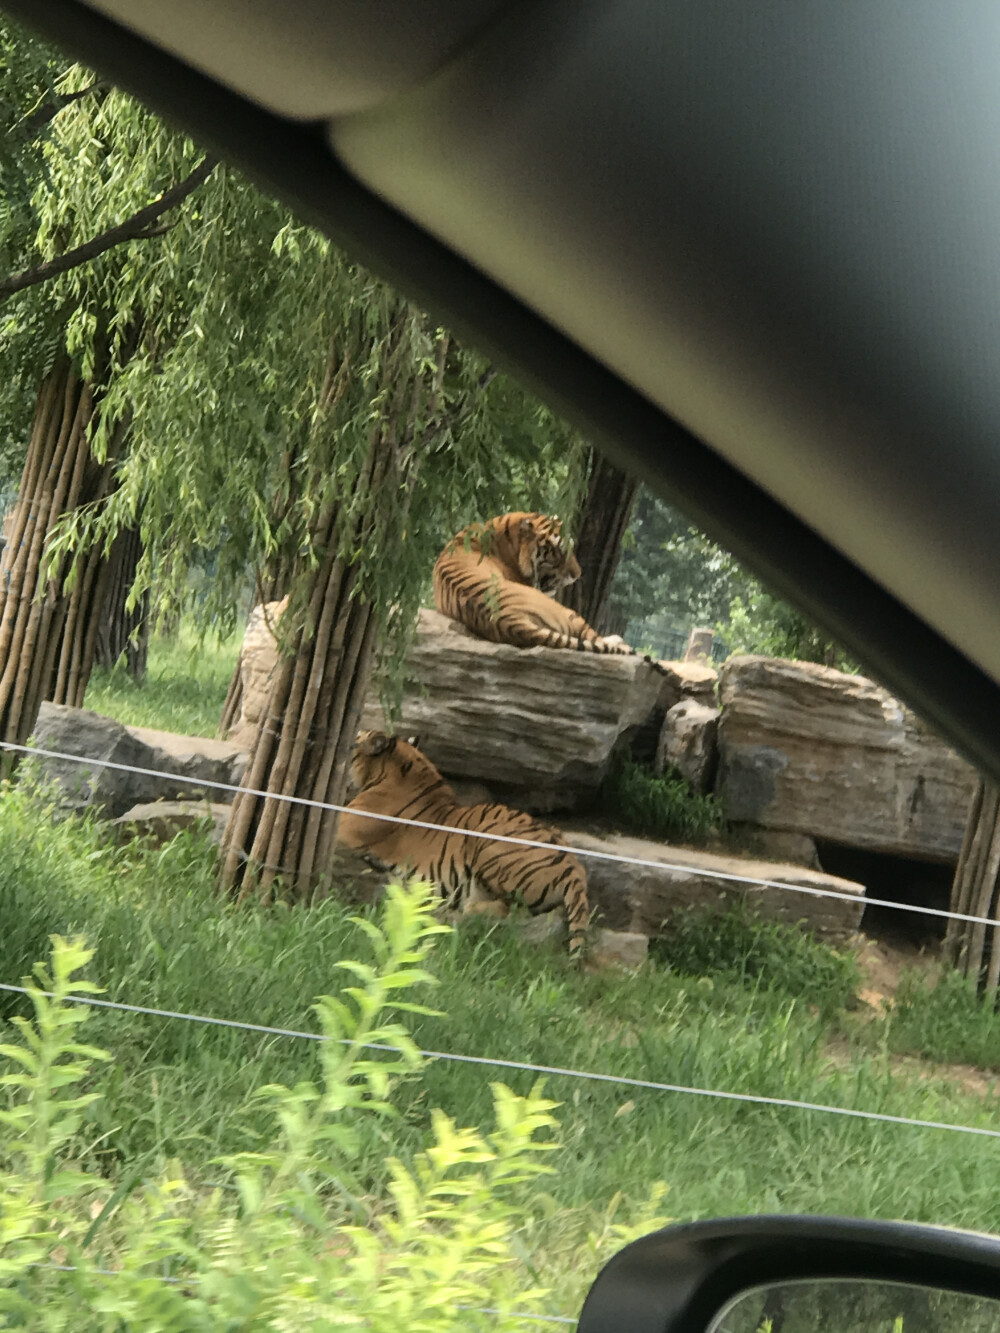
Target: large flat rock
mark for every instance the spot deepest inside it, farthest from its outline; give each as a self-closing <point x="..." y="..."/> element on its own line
<point x="160" y="821"/>
<point x="82" y="735"/>
<point x="807" y="749"/>
<point x="538" y="725"/>
<point x="642" y="898"/>
<point x="203" y="757"/>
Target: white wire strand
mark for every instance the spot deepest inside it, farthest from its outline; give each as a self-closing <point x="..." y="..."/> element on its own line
<point x="557" y="1071"/>
<point x="495" y="1062"/>
<point x="727" y="876"/>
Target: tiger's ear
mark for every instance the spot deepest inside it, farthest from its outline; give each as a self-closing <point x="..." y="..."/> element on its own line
<point x="525" y="527"/>
<point x="414" y="741"/>
<point x="377" y="742"/>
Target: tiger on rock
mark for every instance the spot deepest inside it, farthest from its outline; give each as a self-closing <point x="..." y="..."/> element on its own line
<point x="471" y="874"/>
<point x="498" y="579"/>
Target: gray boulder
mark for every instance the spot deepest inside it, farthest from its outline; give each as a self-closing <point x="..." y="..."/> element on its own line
<point x="539" y="726"/>
<point x="110" y="791"/>
<point x="688" y="743"/>
<point x="159" y="821"/>
<point x="618" y="950"/>
<point x="806" y="749"/>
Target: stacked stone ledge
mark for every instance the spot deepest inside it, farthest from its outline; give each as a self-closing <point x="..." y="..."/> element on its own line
<point x="793" y="751"/>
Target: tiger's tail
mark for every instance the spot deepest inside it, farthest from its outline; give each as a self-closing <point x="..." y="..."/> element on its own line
<point x="577" y="908"/>
<point x="584" y="643"/>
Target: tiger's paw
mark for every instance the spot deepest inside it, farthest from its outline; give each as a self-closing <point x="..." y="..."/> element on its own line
<point x="487" y="907"/>
<point x="614" y="643"/>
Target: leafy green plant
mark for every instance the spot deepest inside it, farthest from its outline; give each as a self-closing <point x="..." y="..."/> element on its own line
<point x="738" y="945"/>
<point x="759" y="622"/>
<point x="295" y="1245"/>
<point x="942" y="1018"/>
<point x="655" y="806"/>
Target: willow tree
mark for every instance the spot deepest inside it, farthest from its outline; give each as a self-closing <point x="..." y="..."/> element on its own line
<point x="305" y="426"/>
<point x="89" y="182"/>
<point x="250" y="399"/>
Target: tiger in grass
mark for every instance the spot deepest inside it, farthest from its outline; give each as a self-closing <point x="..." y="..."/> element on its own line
<point x="471" y="874"/>
<point x="499" y="578"/>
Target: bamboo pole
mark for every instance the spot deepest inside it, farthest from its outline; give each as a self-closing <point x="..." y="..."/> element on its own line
<point x="50" y="608"/>
<point x="971" y="954"/>
<point x="961" y="888"/>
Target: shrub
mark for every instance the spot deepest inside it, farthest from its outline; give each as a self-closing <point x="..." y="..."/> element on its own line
<point x="658" y="807"/>
<point x="737" y="945"/>
<point x="295" y="1244"/>
<point x="944" y="1021"/>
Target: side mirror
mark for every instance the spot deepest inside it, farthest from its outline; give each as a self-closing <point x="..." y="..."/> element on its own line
<point x="799" y="1275"/>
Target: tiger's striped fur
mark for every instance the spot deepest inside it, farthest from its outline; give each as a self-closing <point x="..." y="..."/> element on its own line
<point x="496" y="578"/>
<point x="394" y="778"/>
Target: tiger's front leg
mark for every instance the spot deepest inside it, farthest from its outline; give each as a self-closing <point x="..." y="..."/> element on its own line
<point x="494" y="907"/>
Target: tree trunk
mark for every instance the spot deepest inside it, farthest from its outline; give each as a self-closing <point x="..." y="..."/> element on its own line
<point x="973" y="948"/>
<point x="272" y="585"/>
<point x="603" y="522"/>
<point x="305" y="743"/>
<point x="49" y="616"/>
<point x="121" y="632"/>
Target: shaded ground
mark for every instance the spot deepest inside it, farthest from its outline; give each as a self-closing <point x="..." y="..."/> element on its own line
<point x="883" y="960"/>
<point x="882" y="963"/>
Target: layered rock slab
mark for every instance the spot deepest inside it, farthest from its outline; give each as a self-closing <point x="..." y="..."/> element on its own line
<point x="538" y="725"/>
<point x="642" y="895"/>
<point x="108" y="783"/>
<point x="806" y="749"/>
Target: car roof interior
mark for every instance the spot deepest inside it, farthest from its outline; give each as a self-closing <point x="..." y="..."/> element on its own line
<point x="751" y="250"/>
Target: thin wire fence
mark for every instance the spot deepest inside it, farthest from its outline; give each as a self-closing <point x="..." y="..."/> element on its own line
<point x="526" y="1066"/>
<point x="182" y="781"/>
<point x="197" y="785"/>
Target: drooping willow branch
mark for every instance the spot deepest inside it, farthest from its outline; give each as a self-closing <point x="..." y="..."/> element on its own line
<point x="138" y="227"/>
<point x="37" y="120"/>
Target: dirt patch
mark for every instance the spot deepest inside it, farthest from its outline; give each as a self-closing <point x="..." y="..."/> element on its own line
<point x="839" y="1053"/>
<point x="979" y="1082"/>
<point x="882" y="963"/>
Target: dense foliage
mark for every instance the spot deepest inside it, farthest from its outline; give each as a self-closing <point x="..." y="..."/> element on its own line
<point x="238" y="437"/>
<point x="672" y="577"/>
<point x="658" y="805"/>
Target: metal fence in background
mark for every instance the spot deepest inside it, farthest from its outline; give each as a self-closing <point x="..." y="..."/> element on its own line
<point x="669" y="643"/>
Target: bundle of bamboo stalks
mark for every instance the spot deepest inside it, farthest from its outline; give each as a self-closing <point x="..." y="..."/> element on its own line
<point x="328" y="635"/>
<point x="307" y="736"/>
<point x="49" y="621"/>
<point x="973" y="947"/>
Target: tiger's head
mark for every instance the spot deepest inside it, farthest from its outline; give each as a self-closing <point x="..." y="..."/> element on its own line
<point x="542" y="559"/>
<point x="379" y="757"/>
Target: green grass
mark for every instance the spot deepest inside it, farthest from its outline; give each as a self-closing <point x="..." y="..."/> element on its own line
<point x="663" y="807"/>
<point x="729" y="1005"/>
<point x="942" y="1018"/>
<point x="184" y="689"/>
<point x="738" y="946"/>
